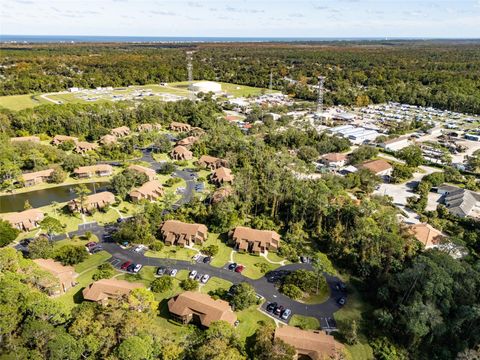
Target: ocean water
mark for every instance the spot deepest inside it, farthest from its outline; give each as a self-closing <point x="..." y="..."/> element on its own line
<point x="161" y="39"/>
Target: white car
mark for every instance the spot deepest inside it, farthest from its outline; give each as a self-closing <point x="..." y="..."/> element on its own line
<point x="205" y="278"/>
<point x="173" y="272"/>
<point x="137" y="268"/>
<point x="195" y="257"/>
<point x="192" y="274"/>
<point x="286" y="314"/>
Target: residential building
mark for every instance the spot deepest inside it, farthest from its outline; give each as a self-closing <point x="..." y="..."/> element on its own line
<point x="255" y="241"/>
<point x="120" y="131"/>
<point x="379" y="167"/>
<point x="102" y="290"/>
<point x="25" y="220"/>
<point x="83" y="147"/>
<point x="108" y="139"/>
<point x="60" y="139"/>
<point x="151" y="174"/>
<point x="92" y="202"/>
<point x="222" y="175"/>
<point x="34" y="139"/>
<point x="396" y="144"/>
<point x="37" y="177"/>
<point x="188" y="141"/>
<point x="145" y="128"/>
<point x="314" y="344"/>
<point x="65" y="275"/>
<point x="93" y="170"/>
<point x="221" y="194"/>
<point x="175" y="232"/>
<point x="211" y="162"/>
<point x="461" y="202"/>
<point x="427" y="235"/>
<point x="335" y="160"/>
<point x="181" y="153"/>
<point x="200" y="308"/>
<point x="180" y="127"/>
<point x="197" y="131"/>
<point x="151" y="191"/>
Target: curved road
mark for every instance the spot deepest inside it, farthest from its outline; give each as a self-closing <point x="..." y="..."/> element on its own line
<point x="323" y="312"/>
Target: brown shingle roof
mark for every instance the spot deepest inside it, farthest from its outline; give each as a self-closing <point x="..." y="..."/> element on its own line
<point x="120" y="131"/>
<point x="85" y="146"/>
<point x="190" y="140"/>
<point x="174" y="230"/>
<point x="151" y="174"/>
<point x="27" y="219"/>
<point x="108" y="288"/>
<point x="222" y="175"/>
<point x="108" y="139"/>
<point x="58" y="139"/>
<point x="427" y="234"/>
<point x="179" y="126"/>
<point x="93" y="169"/>
<point x="376" y="166"/>
<point x="94" y="201"/>
<point x="207" y="309"/>
<point x="315" y="344"/>
<point x="181" y="152"/>
<point x="37" y="174"/>
<point x="257" y="238"/>
<point x="151" y="190"/>
<point x="65" y="274"/>
<point x="334" y="157"/>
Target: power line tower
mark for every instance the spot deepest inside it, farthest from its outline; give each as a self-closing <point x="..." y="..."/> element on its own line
<point x="190" y="74"/>
<point x="270" y="86"/>
<point x="321" y="80"/>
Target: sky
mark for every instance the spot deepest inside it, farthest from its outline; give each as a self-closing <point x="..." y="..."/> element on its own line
<point x="243" y="18"/>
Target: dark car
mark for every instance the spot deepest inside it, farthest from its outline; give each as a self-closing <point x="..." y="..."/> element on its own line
<point x="279" y="310"/>
<point x="304" y="259"/>
<point x="341" y="301"/>
<point x="232" y="266"/>
<point x="340" y="286"/>
<point x="25" y="242"/>
<point x="239" y="269"/>
<point x="161" y="270"/>
<point x="131" y="267"/>
<point x="125" y="265"/>
<point x="271" y="307"/>
<point x="96" y="249"/>
<point x="207" y="260"/>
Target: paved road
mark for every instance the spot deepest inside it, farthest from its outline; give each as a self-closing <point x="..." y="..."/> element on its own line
<point x="323" y="312"/>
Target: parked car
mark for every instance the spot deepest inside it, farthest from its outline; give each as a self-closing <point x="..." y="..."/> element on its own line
<point x="192" y="274"/>
<point x="91" y="244"/>
<point x="341" y="301"/>
<point x="279" y="310"/>
<point x="131" y="267"/>
<point x="195" y="257"/>
<point x="161" y="270"/>
<point x="198" y="277"/>
<point x="96" y="249"/>
<point x="286" y="314"/>
<point x="271" y="307"/>
<point x="125" y="265"/>
<point x="232" y="266"/>
<point x="207" y="260"/>
<point x="25" y="242"/>
<point x="173" y="272"/>
<point x="205" y="278"/>
<point x="137" y="268"/>
<point x="239" y="268"/>
<point x="236" y="323"/>
<point x="139" y="248"/>
<point x="304" y="259"/>
<point x="340" y="286"/>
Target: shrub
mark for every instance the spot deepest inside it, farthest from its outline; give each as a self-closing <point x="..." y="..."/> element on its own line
<point x="71" y="254"/>
<point x="156" y="246"/>
<point x="189" y="284"/>
<point x="263" y="267"/>
<point x="104" y="271"/>
<point x="172" y="181"/>
<point x="292" y="291"/>
<point x="210" y="250"/>
<point x="162" y="284"/>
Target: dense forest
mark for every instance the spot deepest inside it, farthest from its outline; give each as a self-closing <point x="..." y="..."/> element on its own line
<point x="439" y="74"/>
<point x="422" y="304"/>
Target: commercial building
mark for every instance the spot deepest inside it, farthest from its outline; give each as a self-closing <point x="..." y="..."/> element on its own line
<point x="93" y="170"/>
<point x="102" y="290"/>
<point x="316" y="344"/>
<point x="25" y="220"/>
<point x="181" y="153"/>
<point x="222" y="175"/>
<point x="120" y="131"/>
<point x="200" y="308"/>
<point x="150" y="173"/>
<point x="396" y="144"/>
<point x="92" y="202"/>
<point x="151" y="191"/>
<point x="65" y="275"/>
<point x="37" y="177"/>
<point x="255" y="241"/>
<point x="175" y="232"/>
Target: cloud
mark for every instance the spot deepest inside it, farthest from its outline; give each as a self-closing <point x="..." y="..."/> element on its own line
<point x="195" y="4"/>
<point x="163" y="13"/>
<point x="24" y="1"/>
<point x="248" y="11"/>
<point x="296" y="15"/>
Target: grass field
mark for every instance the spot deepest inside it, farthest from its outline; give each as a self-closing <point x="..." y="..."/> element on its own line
<point x="249" y="261"/>
<point x="19" y="102"/>
<point x="304" y="322"/>
<point x="172" y="252"/>
<point x="224" y="250"/>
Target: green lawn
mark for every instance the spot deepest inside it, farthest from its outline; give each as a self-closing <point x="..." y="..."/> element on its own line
<point x="224" y="250"/>
<point x="92" y="261"/>
<point x="172" y="252"/>
<point x="20" y="102"/>
<point x="304" y="322"/>
<point x="249" y="261"/>
<point x="215" y="283"/>
<point x="249" y="321"/>
<point x="103" y="218"/>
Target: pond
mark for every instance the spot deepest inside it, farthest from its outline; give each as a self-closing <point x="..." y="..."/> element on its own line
<point x="39" y="198"/>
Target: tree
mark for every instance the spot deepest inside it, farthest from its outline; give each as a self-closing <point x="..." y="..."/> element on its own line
<point x="122" y="183"/>
<point x="63" y="346"/>
<point x="71" y="254"/>
<point x="40" y="248"/>
<point x="162" y="284"/>
<point x="51" y="226"/>
<point x="321" y="264"/>
<point x="26" y="205"/>
<point x="308" y="153"/>
<point x="82" y="191"/>
<point x="210" y="250"/>
<point x="243" y="297"/>
<point x="266" y="347"/>
<point x="136" y="230"/>
<point x="292" y="291"/>
<point x="401" y="173"/>
<point x="189" y="284"/>
<point x="135" y="348"/>
<point x="142" y="300"/>
<point x="363" y="153"/>
<point x="104" y="271"/>
<point x="351" y="335"/>
<point x="162" y="144"/>
<point x="58" y="176"/>
<point x="412" y="155"/>
<point x="7" y="233"/>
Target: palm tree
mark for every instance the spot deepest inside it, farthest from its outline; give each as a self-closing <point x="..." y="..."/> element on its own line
<point x="82" y="191"/>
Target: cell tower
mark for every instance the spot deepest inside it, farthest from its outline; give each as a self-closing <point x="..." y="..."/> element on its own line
<point x="190" y="74"/>
<point x="270" y="86"/>
<point x="321" y="80"/>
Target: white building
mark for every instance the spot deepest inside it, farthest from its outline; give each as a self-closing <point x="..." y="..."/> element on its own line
<point x="396" y="144"/>
<point x="206" y="87"/>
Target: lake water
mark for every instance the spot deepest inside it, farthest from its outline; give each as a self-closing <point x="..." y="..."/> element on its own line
<point x="39" y="198"/>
